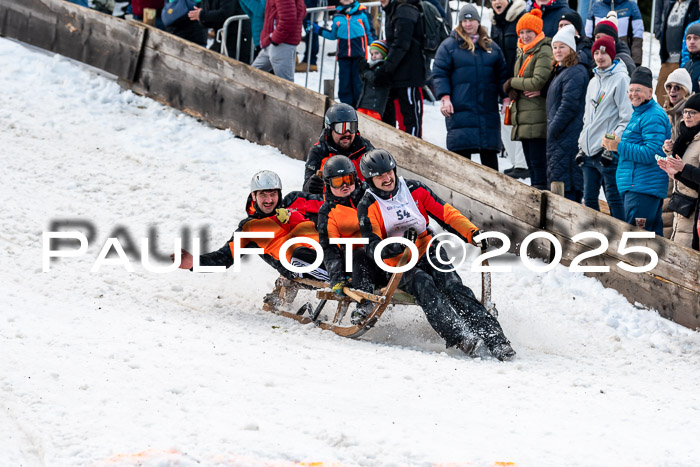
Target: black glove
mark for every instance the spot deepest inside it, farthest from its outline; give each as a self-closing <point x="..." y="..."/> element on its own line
<point x="483" y="243"/>
<point x="382" y="79"/>
<point x="362" y="65"/>
<point x="411" y="235"/>
<point x="392" y="250"/>
<point x="314" y="185"/>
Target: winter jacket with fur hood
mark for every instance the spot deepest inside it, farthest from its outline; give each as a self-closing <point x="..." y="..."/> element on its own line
<point x="608" y="109"/>
<point x="504" y="33"/>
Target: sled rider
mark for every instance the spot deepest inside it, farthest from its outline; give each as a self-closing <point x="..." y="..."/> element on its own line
<point x="288" y="217"/>
<point x="392" y="206"/>
<point x="339" y="136"/>
<point x="337" y="218"/>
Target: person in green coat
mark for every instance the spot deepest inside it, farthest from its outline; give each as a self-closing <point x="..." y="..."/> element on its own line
<point x="532" y="71"/>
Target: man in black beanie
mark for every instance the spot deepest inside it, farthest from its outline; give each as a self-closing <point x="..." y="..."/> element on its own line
<point x="640" y="181"/>
<point x="692" y="40"/>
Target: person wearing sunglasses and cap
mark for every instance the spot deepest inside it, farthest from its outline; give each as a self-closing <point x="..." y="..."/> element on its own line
<point x="340" y="135"/>
<point x="337" y="218"/>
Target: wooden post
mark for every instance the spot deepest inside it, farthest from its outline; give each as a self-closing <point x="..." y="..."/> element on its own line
<point x="557" y="188"/>
<point x="149" y="16"/>
<point x="329" y="87"/>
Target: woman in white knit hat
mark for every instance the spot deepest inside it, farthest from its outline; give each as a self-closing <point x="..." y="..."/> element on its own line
<point x="678" y="87"/>
<point x="565" y="107"/>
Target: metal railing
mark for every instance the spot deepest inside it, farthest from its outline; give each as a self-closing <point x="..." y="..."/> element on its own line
<point x="325" y="12"/>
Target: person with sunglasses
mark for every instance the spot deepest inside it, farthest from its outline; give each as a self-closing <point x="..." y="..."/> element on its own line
<point x="684" y="151"/>
<point x="337" y="218"/>
<point x="678" y="88"/>
<point x="394" y="207"/>
<point x="340" y="136"/>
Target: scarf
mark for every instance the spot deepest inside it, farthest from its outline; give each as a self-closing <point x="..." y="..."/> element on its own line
<point x="538" y="38"/>
<point x="685" y="137"/>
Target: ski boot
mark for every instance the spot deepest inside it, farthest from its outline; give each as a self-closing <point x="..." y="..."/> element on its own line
<point x="361" y="312"/>
<point x="503" y="352"/>
<point x="470" y="345"/>
<point x="284" y="293"/>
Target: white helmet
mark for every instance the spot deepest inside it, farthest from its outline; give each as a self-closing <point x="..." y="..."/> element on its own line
<point x="265" y="180"/>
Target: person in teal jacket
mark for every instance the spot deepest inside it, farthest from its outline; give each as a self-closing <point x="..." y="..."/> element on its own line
<point x="352" y="28"/>
<point x="640" y="181"/>
<point x="255" y="9"/>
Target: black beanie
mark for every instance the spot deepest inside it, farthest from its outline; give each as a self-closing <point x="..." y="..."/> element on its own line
<point x="642" y="75"/>
<point x="693" y="102"/>
<point x="575" y="19"/>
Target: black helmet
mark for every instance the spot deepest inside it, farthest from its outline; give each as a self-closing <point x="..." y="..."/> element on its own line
<point x="376" y="162"/>
<point x="341" y="113"/>
<point x="338" y="166"/>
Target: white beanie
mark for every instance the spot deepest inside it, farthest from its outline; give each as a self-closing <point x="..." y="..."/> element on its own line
<point x="567" y="36"/>
<point x="682" y="77"/>
<point x="612" y="17"/>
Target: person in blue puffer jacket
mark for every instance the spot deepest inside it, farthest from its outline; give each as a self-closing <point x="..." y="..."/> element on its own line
<point x="468" y="74"/>
<point x="566" y="103"/>
<point x="352" y="28"/>
<point x="642" y="184"/>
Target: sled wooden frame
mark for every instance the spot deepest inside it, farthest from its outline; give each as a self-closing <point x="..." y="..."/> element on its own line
<point x="381" y="302"/>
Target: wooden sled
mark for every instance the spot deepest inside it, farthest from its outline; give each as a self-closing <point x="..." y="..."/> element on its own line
<point x="390" y="294"/>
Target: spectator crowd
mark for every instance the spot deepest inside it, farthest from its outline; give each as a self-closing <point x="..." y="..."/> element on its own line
<point x="565" y="97"/>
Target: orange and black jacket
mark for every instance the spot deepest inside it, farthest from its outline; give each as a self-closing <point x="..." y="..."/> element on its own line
<point x="325" y="149"/>
<point x="303" y="210"/>
<point x="337" y="218"/>
<point x="372" y="222"/>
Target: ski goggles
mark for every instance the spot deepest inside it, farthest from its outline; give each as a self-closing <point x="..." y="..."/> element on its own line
<point x="342" y="127"/>
<point x="337" y="182"/>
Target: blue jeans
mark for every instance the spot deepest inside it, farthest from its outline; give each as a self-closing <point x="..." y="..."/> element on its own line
<point x="641" y="206"/>
<point x="595" y="175"/>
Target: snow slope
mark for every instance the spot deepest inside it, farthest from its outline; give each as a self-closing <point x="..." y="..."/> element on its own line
<point x="120" y="368"/>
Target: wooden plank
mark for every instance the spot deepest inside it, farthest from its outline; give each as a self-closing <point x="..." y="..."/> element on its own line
<point x="676" y="263"/>
<point x="75" y="32"/>
<point x="455" y="172"/>
<point x="213" y="94"/>
<point x="196" y="60"/>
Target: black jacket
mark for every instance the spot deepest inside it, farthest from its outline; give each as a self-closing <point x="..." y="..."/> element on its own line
<point x="405" y="64"/>
<point x="213" y="15"/>
<point x="690" y="175"/>
<point x="336" y="210"/>
<point x="693" y="67"/>
<point x="372" y="97"/>
<point x="504" y="34"/>
<point x="324" y="149"/>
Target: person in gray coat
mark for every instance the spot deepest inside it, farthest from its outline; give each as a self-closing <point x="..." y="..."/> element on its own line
<point x="608" y="109"/>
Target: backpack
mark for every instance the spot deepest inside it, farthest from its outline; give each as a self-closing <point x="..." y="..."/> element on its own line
<point x="435" y="28"/>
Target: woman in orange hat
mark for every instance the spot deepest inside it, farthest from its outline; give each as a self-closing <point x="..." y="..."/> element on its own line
<point x="533" y="69"/>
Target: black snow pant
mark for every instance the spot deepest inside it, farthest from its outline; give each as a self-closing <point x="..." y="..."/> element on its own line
<point x="450" y="306"/>
<point x="365" y="273"/>
<point x="304" y="256"/>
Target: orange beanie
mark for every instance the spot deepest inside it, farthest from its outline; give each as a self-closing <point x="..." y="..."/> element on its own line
<point x="531" y="21"/>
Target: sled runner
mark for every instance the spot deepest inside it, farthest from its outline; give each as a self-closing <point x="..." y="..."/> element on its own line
<point x="286" y="290"/>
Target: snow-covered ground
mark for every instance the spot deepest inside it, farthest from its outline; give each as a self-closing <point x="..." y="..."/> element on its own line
<point x="120" y="368"/>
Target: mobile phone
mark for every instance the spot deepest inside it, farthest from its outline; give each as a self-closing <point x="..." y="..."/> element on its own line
<point x="609" y="136"/>
<point x="658" y="157"/>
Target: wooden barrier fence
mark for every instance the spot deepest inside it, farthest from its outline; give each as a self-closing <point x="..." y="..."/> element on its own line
<point x="265" y="109"/>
